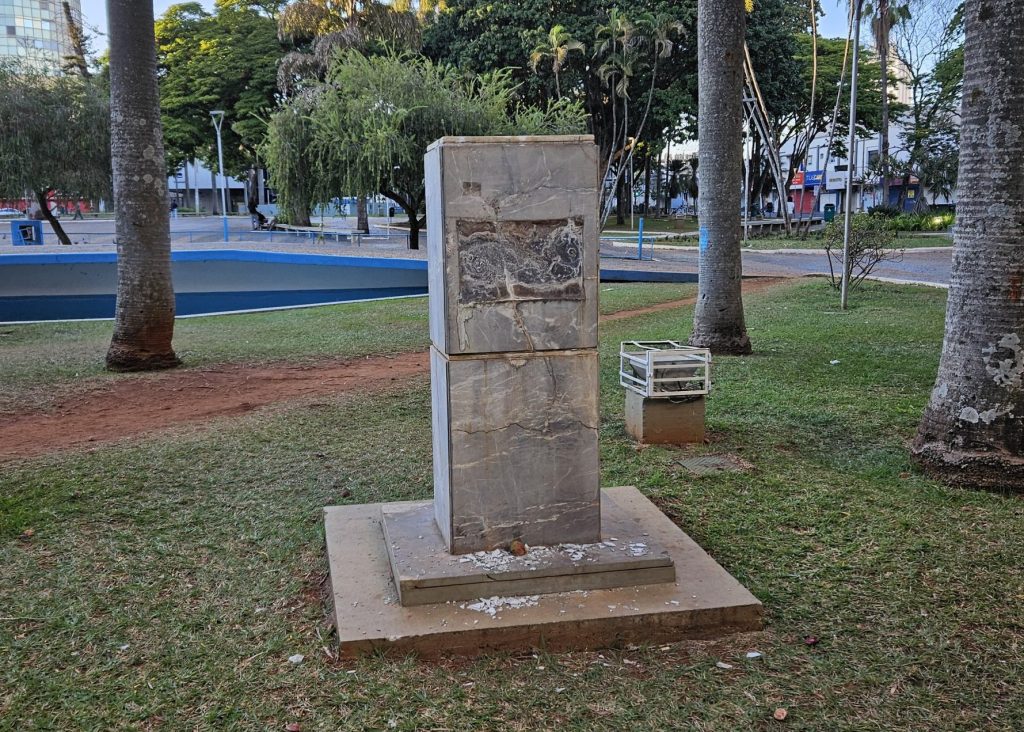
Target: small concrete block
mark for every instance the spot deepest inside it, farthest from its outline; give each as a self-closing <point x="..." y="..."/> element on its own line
<point x="664" y="421"/>
<point x="512" y="240"/>
<point x="703" y="602"/>
<point x="516" y="448"/>
<point x="425" y="572"/>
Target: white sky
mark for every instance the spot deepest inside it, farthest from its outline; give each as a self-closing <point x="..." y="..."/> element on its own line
<point x="95" y="11"/>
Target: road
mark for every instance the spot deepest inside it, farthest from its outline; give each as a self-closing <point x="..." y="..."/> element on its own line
<point x="927" y="266"/>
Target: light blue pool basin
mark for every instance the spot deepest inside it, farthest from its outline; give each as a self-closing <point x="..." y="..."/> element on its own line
<point x="75" y="286"/>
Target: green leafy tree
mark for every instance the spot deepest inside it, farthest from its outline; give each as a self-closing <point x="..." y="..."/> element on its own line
<point x="56" y="137"/>
<point x="287" y="153"/>
<point x="376" y="115"/>
<point x="479" y="36"/>
<point x="224" y="60"/>
<point x="323" y="28"/>
<point x="929" y="47"/>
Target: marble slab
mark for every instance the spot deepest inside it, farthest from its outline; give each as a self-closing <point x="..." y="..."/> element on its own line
<point x="512" y="232"/>
<point x="425" y="572"/>
<point x="515" y="448"/>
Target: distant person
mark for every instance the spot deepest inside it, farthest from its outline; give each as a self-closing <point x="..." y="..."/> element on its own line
<point x="174" y="209"/>
<point x="769" y="209"/>
<point x="78" y="212"/>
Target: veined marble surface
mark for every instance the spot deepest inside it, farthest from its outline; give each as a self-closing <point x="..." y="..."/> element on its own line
<point x="518" y="457"/>
<point x="513" y="244"/>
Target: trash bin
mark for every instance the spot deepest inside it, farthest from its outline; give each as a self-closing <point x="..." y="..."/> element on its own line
<point x="830" y="212"/>
<point x="26" y="233"/>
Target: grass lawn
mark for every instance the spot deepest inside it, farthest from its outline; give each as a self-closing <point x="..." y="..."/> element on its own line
<point x="168" y="579"/>
<point x="40" y="361"/>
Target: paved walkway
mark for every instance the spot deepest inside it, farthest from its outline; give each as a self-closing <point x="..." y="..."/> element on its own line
<point x="927" y="266"/>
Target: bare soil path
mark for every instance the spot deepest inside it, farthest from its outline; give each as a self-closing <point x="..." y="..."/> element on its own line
<point x="138" y="405"/>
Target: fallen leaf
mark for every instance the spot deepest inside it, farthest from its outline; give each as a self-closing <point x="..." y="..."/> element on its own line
<point x="27" y="534"/>
<point x="346" y="493"/>
<point x="811" y="640"/>
<point x="753" y="654"/>
<point x="780" y="714"/>
<point x="292" y="727"/>
<point x="517" y="547"/>
<point x="297" y="658"/>
<point x="722" y="664"/>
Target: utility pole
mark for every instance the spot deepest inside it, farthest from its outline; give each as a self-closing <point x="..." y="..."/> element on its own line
<point x="844" y="289"/>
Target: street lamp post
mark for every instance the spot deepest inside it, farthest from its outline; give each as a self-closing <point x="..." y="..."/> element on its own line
<point x="218" y="118"/>
<point x="851" y="158"/>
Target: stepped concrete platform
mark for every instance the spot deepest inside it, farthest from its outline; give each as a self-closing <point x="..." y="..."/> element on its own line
<point x="703" y="601"/>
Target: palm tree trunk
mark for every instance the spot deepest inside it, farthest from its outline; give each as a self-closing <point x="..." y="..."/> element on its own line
<point x="144" y="319"/>
<point x="718" y="318"/>
<point x="972" y="431"/>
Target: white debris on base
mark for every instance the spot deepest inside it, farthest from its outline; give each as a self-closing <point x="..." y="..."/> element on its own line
<point x="491" y="605"/>
<point x="537" y="556"/>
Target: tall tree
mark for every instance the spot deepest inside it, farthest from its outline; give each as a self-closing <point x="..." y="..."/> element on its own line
<point x="56" y="137"/>
<point x="632" y="57"/>
<point x="928" y="47"/>
<point x="718" y="318"/>
<point x="884" y="15"/>
<point x="324" y="28"/>
<point x="144" y="317"/>
<point x="289" y="158"/>
<point x="972" y="431"/>
<point x="221" y="60"/>
<point x="377" y="114"/>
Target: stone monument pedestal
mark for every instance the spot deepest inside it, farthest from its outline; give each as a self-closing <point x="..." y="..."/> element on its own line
<point x="657" y="421"/>
<point x="519" y="548"/>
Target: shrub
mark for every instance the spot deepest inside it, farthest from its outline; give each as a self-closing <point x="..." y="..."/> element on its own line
<point x="871" y="242"/>
<point x="885" y="212"/>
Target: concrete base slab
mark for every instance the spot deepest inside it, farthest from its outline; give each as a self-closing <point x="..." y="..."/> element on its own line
<point x="425" y="572"/>
<point x="703" y="602"/>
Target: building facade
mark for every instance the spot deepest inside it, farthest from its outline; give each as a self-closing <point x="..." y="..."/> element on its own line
<point x="36" y="31"/>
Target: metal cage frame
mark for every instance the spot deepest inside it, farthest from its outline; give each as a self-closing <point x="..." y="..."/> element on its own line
<point x="648" y="367"/>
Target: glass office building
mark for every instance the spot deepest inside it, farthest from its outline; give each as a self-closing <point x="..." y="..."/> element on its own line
<point x="36" y="31"/>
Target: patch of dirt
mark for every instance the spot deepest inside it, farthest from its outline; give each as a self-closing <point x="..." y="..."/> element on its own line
<point x="137" y="405"/>
<point x="754" y="284"/>
<point x="140" y="404"/>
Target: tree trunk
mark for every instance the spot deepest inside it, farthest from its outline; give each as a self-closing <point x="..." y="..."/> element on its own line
<point x="362" y="219"/>
<point x="972" y="431"/>
<point x="883" y="62"/>
<point x="718" y="318"/>
<point x="144" y="319"/>
<point x="414" y="232"/>
<point x="44" y="207"/>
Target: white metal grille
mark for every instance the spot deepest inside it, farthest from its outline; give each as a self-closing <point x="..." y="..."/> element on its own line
<point x="664" y="369"/>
